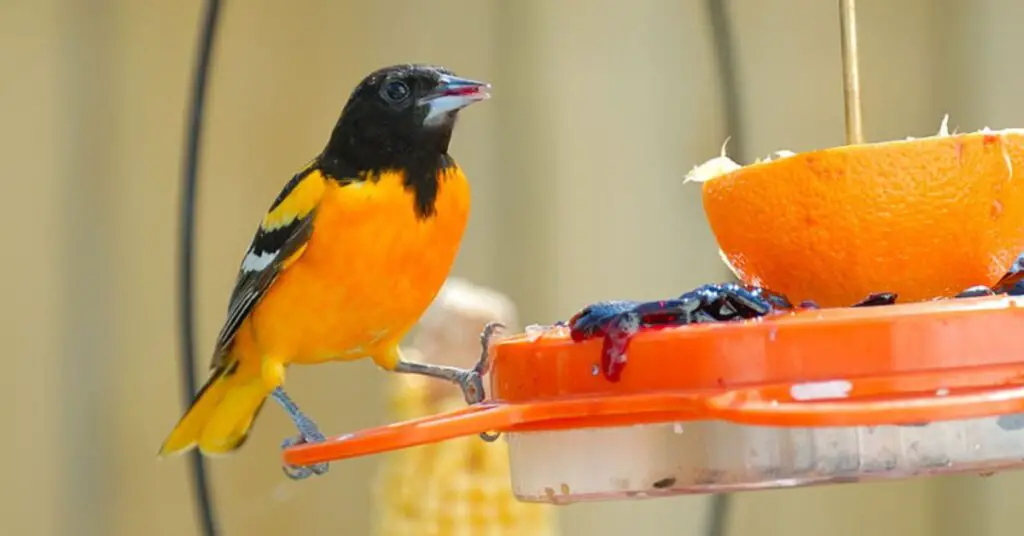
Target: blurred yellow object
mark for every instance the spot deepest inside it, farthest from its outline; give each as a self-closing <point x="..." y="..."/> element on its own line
<point x="458" y="487"/>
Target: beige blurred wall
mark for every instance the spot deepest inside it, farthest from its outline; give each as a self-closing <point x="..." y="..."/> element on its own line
<point x="600" y="107"/>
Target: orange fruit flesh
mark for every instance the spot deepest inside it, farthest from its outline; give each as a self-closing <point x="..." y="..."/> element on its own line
<point x="924" y="218"/>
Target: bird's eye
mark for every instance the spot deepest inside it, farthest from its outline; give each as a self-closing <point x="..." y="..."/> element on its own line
<point x="396" y="91"/>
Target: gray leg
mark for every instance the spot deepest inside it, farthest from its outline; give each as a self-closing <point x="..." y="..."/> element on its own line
<point x="308" y="433"/>
<point x="470" y="381"/>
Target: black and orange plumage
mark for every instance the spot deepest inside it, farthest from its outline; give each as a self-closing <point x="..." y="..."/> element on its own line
<point x="347" y="258"/>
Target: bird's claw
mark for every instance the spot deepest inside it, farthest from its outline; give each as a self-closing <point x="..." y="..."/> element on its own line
<point x="489" y="437"/>
<point x="472" y="383"/>
<point x="483" y="365"/>
<point x="295" y="472"/>
<point x="308" y="433"/>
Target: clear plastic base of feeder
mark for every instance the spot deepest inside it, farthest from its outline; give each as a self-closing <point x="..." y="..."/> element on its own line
<point x="709" y="457"/>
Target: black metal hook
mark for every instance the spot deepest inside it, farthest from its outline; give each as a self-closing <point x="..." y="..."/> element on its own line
<point x="720" y="505"/>
<point x="186" y="288"/>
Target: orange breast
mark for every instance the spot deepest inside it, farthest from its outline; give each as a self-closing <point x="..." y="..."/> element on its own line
<point x="370" y="270"/>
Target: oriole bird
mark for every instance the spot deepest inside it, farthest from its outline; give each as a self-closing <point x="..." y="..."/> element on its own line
<point x="350" y="254"/>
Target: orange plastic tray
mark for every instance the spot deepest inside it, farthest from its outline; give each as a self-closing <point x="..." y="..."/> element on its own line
<point x="898" y="364"/>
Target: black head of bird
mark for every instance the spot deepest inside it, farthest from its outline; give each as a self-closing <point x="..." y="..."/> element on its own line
<point x="401" y="112"/>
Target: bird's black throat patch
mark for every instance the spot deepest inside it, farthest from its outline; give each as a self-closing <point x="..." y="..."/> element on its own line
<point x="423" y="179"/>
<point x="421" y="157"/>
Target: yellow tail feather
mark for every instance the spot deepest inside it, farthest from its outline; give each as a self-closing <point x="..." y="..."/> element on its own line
<point x="219" y="419"/>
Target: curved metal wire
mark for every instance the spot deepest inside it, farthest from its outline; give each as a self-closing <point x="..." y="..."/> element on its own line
<point x="725" y="63"/>
<point x="720" y="506"/>
<point x="200" y="479"/>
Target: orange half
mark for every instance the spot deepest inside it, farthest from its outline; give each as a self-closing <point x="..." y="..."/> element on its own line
<point x="924" y="218"/>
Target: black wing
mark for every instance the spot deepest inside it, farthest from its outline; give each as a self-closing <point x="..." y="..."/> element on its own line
<point x="284" y="231"/>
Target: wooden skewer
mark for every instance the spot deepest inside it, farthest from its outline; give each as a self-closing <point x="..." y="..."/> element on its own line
<point x="851" y="72"/>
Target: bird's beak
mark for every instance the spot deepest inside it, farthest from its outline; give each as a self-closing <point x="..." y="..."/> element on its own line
<point x="452" y="94"/>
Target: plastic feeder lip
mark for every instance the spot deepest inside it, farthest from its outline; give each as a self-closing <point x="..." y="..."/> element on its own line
<point x="809" y="397"/>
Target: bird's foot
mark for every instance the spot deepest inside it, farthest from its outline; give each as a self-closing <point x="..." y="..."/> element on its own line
<point x="296" y="472"/>
<point x="473" y="384"/>
<point x="308" y="433"/>
<point x="470" y="381"/>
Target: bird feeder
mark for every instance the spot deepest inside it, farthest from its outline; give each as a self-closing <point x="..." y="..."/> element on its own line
<point x="816" y="396"/>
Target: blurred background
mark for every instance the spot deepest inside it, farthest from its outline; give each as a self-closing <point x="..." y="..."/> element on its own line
<point x="599" y="109"/>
